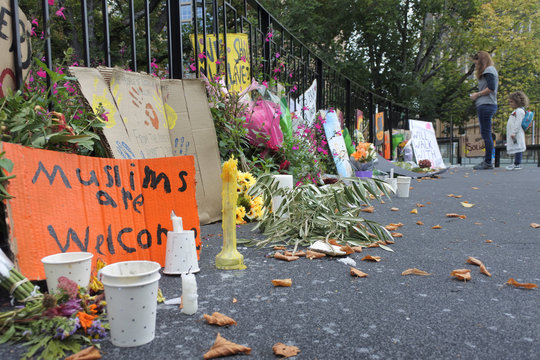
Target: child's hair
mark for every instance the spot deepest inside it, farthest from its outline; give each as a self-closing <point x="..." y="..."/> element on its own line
<point x="520" y="99"/>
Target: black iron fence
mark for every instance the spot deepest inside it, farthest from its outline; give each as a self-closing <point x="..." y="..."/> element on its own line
<point x="143" y="34"/>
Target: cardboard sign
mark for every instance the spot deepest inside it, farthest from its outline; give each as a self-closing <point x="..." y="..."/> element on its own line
<point x="359" y="119"/>
<point x="336" y="143"/>
<point x="7" y="46"/>
<point x="150" y="118"/>
<point x="424" y="143"/>
<point x="473" y="145"/>
<point x="379" y="128"/>
<point x="238" y="66"/>
<point x="306" y="103"/>
<point x="116" y="209"/>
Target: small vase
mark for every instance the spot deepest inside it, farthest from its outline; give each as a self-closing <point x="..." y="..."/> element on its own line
<point x="364" y="174"/>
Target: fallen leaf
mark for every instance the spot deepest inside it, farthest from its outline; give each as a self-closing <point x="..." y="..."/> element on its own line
<point x="387" y="242"/>
<point x="477" y="223"/>
<point x="419" y="205"/>
<point x="453" y="215"/>
<point x="348" y="249"/>
<point x="234" y="300"/>
<point x="219" y="319"/>
<point x="474" y="188"/>
<point x="310" y="254"/>
<point x="281" y="256"/>
<point x="419" y="223"/>
<point x="298" y="253"/>
<point x="371" y="258"/>
<point x="428" y="203"/>
<point x="382" y="201"/>
<point x="285" y="350"/>
<point x="90" y="353"/>
<point x="415" y="271"/>
<point x="358" y="273"/>
<point x="371" y="235"/>
<point x="414" y="211"/>
<point x="394" y="209"/>
<point x="511" y="281"/>
<point x="396" y="235"/>
<point x="489" y="241"/>
<point x="462" y="216"/>
<point x="462" y="274"/>
<point x="411" y="187"/>
<point x="372" y="197"/>
<point x="466" y="204"/>
<point x="391" y="227"/>
<point x="437" y="227"/>
<point x="396" y="225"/>
<point x="333" y="242"/>
<point x="357" y="249"/>
<point x="280" y="248"/>
<point x="373" y="245"/>
<point x="475" y="261"/>
<point x="224" y="347"/>
<point x="282" y="282"/>
<point x="450" y="195"/>
<point x="369" y="209"/>
<point x="455" y="196"/>
<point x="535" y="225"/>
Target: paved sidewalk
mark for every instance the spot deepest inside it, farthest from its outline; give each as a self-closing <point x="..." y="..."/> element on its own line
<point x="330" y="315"/>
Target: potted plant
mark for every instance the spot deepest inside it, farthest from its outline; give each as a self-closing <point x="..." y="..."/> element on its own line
<point x="363" y="158"/>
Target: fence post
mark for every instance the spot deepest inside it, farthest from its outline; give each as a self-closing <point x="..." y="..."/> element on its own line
<point x="17" y="59"/>
<point x="371" y="113"/>
<point x="175" y="40"/>
<point x="348" y="105"/>
<point x="390" y="129"/>
<point x="265" y="29"/>
<point x="320" y="84"/>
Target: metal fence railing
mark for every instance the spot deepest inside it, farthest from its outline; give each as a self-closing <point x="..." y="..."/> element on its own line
<point x="136" y="34"/>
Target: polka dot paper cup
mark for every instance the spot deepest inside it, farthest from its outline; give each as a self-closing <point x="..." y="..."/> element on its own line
<point x="76" y="266"/>
<point x="131" y="293"/>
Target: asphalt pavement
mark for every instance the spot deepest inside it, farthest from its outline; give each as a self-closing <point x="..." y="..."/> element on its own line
<point x="329" y="314"/>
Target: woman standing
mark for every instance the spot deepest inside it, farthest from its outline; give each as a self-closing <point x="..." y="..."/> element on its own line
<point x="486" y="102"/>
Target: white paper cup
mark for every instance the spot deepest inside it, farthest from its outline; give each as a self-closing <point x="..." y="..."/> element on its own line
<point x="403" y="185"/>
<point x="181" y="255"/>
<point x="131" y="293"/>
<point x="76" y="266"/>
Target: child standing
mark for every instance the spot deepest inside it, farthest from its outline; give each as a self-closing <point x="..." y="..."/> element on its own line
<point x="515" y="136"/>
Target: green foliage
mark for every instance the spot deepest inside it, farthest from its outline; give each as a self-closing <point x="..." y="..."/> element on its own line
<point x="319" y="213"/>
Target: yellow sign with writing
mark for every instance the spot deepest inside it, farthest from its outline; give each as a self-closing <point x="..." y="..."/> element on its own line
<point x="238" y="65"/>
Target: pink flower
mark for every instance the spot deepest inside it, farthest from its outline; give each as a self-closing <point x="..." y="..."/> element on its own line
<point x="192" y="66"/>
<point x="70" y="287"/>
<point x="41" y="73"/>
<point x="153" y="64"/>
<point x="33" y="31"/>
<point x="277" y="70"/>
<point x="202" y="56"/>
<point x="218" y="62"/>
<point x="290" y="75"/>
<point x="75" y="63"/>
<point x="317" y="126"/>
<point x="295" y="147"/>
<point x="265" y="83"/>
<point x="104" y="116"/>
<point x="60" y="12"/>
<point x="51" y="2"/>
<point x="305" y="108"/>
<point x="277" y="55"/>
<point x="35" y="22"/>
<point x="243" y="58"/>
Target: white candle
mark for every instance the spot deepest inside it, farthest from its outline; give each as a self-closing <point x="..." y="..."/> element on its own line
<point x="176" y="222"/>
<point x="189" y="294"/>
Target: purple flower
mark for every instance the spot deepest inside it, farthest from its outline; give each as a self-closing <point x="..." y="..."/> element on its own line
<point x="278" y="55"/>
<point x="77" y="326"/>
<point x="60" y="12"/>
<point x="41" y="73"/>
<point x="97" y="330"/>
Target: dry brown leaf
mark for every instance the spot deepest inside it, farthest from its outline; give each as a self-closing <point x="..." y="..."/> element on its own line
<point x="474" y="188"/>
<point x="224" y="347"/>
<point x="382" y="201"/>
<point x="511" y="281"/>
<point x="394" y="209"/>
<point x="391" y="227"/>
<point x="333" y="242"/>
<point x="234" y="301"/>
<point x="475" y="261"/>
<point x="419" y="205"/>
<point x="388" y="242"/>
<point x="411" y="187"/>
<point x="357" y="249"/>
<point x="462" y="216"/>
<point x="450" y="195"/>
<point x="219" y="319"/>
<point x="371" y="235"/>
<point x="454" y="215"/>
<point x="298" y="253"/>
<point x="285" y="350"/>
<point x="282" y="282"/>
<point x="437" y="227"/>
<point x="535" y="225"/>
<point x="455" y="196"/>
<point x="347" y="248"/>
<point x="396" y="234"/>
<point x="371" y="258"/>
<point x="90" y="353"/>
<point x="396" y="225"/>
<point x="372" y="197"/>
<point x="414" y="211"/>
<point x="358" y="273"/>
<point x="415" y="271"/>
<point x="419" y="223"/>
<point x="280" y="248"/>
<point x="369" y="209"/>
<point x="373" y="245"/>
<point x="310" y="254"/>
<point x="462" y="274"/>
<point x="489" y="241"/>
<point x="466" y="204"/>
<point x="428" y="203"/>
<point x="281" y="256"/>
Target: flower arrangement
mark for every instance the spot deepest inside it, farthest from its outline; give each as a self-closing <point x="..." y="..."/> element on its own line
<point x="364" y="156"/>
<point x="54" y="324"/>
<point x="248" y="208"/>
<point x="424" y="164"/>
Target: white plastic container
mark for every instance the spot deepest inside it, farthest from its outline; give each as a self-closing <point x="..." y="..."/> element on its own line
<point x="131" y="293"/>
<point x="285" y="181"/>
<point x="181" y="252"/>
<point x="392" y="184"/>
<point x="76" y="266"/>
<point x="403" y="185"/>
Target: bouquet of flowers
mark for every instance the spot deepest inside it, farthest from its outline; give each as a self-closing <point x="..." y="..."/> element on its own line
<point x="364" y="156"/>
<point x="248" y="208"/>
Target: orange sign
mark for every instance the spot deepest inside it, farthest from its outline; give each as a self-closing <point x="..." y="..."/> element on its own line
<point x="379" y="128"/>
<point x="116" y="209"/>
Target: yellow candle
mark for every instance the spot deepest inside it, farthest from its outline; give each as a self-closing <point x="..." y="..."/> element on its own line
<point x="229" y="258"/>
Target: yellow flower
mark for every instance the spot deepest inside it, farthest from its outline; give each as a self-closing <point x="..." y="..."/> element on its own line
<point x="240" y="213"/>
<point x="160" y="297"/>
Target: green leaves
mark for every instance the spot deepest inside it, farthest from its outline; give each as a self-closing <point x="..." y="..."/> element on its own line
<point x="309" y="213"/>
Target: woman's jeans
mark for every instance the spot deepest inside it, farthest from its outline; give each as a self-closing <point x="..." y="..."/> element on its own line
<point x="517" y="158"/>
<point x="485" y="114"/>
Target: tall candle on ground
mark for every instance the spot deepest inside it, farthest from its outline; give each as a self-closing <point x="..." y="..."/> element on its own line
<point x="189" y="294"/>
